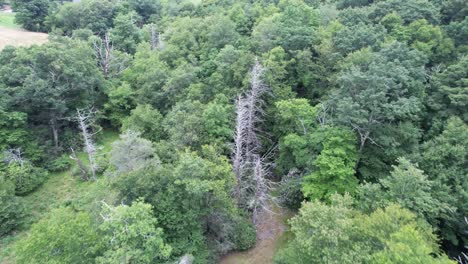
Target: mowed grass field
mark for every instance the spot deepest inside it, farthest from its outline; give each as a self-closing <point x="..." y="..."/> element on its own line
<point x="7" y="20"/>
<point x="12" y="34"/>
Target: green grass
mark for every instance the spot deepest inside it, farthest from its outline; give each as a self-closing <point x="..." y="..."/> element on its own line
<point x="8" y="20"/>
<point x="62" y="189"/>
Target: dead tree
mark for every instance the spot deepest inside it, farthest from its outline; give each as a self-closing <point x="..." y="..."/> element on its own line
<point x="85" y="120"/>
<point x="106" y="58"/>
<point x="55" y="132"/>
<point x="324" y="114"/>
<point x="14" y="156"/>
<point x="155" y="37"/>
<point x="261" y="196"/>
<point x="103" y="49"/>
<point x="251" y="189"/>
<point x="81" y="167"/>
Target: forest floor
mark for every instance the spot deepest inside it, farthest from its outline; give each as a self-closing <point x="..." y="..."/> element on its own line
<point x="61" y="188"/>
<point x="272" y="234"/>
<point x="13" y="34"/>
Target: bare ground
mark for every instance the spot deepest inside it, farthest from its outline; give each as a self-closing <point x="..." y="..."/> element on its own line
<point x="269" y="236"/>
<point x="20" y="37"/>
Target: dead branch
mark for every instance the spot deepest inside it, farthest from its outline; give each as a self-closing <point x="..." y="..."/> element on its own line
<point x="81" y="167"/>
<point x="85" y="119"/>
<point x="252" y="188"/>
<point x="14" y="156"/>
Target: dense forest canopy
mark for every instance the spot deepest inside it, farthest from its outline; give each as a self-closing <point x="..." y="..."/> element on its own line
<point x="352" y="113"/>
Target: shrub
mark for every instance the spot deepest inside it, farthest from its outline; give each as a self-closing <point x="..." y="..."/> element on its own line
<point x="11" y="208"/>
<point x="25" y="176"/>
<point x="61" y="163"/>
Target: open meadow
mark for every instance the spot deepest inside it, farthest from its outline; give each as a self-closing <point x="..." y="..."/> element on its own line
<point x="12" y="34"/>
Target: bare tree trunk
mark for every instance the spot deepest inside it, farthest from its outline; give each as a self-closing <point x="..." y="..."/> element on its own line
<point x="53" y="126"/>
<point x="251" y="188"/>
<point x="85" y="118"/>
<point x="103" y="49"/>
<point x="84" y="173"/>
<point x="239" y="147"/>
<point x="261" y="190"/>
<point x="14" y="155"/>
<point x="154" y="37"/>
<point x="363" y="137"/>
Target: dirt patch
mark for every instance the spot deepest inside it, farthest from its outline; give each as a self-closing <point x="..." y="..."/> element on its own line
<point x="269" y="235"/>
<point x="6" y="9"/>
<point x="20" y="37"/>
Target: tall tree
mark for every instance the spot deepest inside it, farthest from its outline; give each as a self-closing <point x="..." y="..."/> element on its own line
<point x="337" y="233"/>
<point x="132" y="235"/>
<point x="31" y="14"/>
<point x="132" y="153"/>
<point x="333" y="170"/>
<point x="444" y="159"/>
<point x="51" y="81"/>
<point x="247" y="163"/>
<point x="64" y="236"/>
<point x="379" y="88"/>
<point x="85" y="119"/>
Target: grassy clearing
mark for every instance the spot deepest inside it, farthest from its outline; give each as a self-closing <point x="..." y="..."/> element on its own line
<point x="61" y="188"/>
<point x="13" y="34"/>
<point x="8" y="20"/>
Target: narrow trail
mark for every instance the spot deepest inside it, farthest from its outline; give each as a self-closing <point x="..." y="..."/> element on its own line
<point x="271" y="234"/>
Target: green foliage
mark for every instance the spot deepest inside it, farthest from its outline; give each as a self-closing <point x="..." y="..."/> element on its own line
<point x="337" y="233"/>
<point x="408" y="246"/>
<point x="444" y="160"/>
<point x="131" y="235"/>
<point x="217" y="120"/>
<point x="121" y="101"/>
<point x="295" y="120"/>
<point x="8" y="19"/>
<point x="191" y="201"/>
<point x="231" y="67"/>
<point x="147" y="9"/>
<point x="64" y="236"/>
<point x="244" y="234"/>
<point x="359" y="36"/>
<point x="458" y="32"/>
<point x="25" y="176"/>
<point x="409" y="10"/>
<point x="353" y="86"/>
<point x="183" y="124"/>
<point x="221" y="32"/>
<point x="293" y="28"/>
<point x="14" y="134"/>
<point x="334" y="167"/>
<point x="146" y="120"/>
<point x="430" y="40"/>
<point x="276" y="73"/>
<point x="408" y="187"/>
<point x="125" y="34"/>
<point x="61" y="163"/>
<point x="322" y="233"/>
<point x="342" y="4"/>
<point x="378" y="89"/>
<point x="449" y="90"/>
<point x="132" y="153"/>
<point x="290" y="190"/>
<point x="11" y="207"/>
<point x="96" y="15"/>
<point x="50" y="82"/>
<point x="295" y="116"/>
<point x="31" y="14"/>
